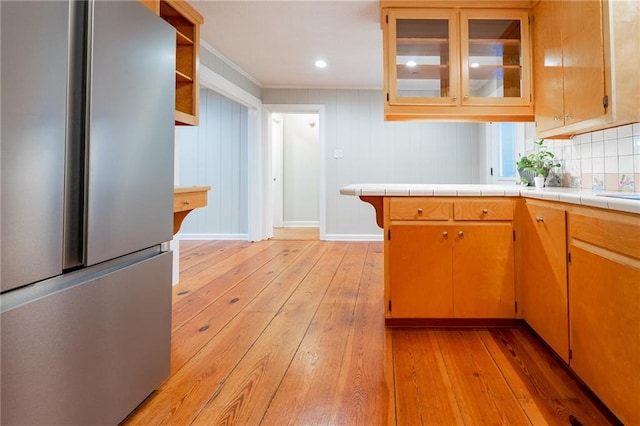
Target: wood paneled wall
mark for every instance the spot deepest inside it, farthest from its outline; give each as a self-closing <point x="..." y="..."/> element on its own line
<point x="215" y="154"/>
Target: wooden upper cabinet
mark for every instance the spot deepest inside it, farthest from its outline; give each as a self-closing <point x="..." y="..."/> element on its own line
<point x="468" y="64"/>
<point x="585" y="65"/>
<point x="186" y="20"/>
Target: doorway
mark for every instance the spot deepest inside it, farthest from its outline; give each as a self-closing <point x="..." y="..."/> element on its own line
<point x="295" y="144"/>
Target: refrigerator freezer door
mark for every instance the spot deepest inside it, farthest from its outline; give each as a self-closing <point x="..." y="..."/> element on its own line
<point x="34" y="95"/>
<point x="131" y="135"/>
<point x="89" y="354"/>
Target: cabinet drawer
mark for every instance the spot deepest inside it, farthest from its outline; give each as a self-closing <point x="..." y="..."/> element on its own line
<point x="189" y="200"/>
<point x="417" y="208"/>
<point x="484" y="210"/>
<point x="610" y="231"/>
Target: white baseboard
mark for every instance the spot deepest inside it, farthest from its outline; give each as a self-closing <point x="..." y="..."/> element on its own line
<point x="300" y="224"/>
<point x="239" y="237"/>
<point x="353" y="237"/>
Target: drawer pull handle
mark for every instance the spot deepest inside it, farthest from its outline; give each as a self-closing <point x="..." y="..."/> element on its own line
<point x="445" y="234"/>
<point x="419" y="210"/>
<point x="485" y="211"/>
<point x="460" y="234"/>
<point x="539" y="219"/>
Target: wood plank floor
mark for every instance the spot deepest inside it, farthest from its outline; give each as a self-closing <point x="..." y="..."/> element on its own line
<point x="310" y="234"/>
<point x="292" y="332"/>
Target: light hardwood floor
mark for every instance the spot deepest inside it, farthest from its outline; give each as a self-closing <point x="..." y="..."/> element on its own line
<point x="303" y="234"/>
<point x="292" y="333"/>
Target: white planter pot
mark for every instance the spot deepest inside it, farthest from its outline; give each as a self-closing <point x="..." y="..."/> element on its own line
<point x="539" y="181"/>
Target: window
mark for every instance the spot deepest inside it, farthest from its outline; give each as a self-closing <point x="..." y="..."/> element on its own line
<point x="506" y="141"/>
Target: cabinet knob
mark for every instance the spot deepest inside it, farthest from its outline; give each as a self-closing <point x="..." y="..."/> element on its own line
<point x="466" y="97"/>
<point x="460" y="234"/>
<point x="485" y="211"/>
<point x="567" y="116"/>
<point x="455" y="98"/>
<point x="185" y="202"/>
<point x="419" y="210"/>
<point x="445" y="234"/>
<point x="556" y="118"/>
<point x="539" y="219"/>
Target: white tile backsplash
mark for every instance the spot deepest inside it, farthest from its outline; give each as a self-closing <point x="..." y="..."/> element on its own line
<point x="611" y="165"/>
<point x="605" y="159"/>
<point x="625" y="164"/>
<point x="625" y="131"/>
<point x="625" y="146"/>
<point x="598" y="165"/>
<point x="611" y="134"/>
<point x="610" y="148"/>
<point x="597" y="149"/>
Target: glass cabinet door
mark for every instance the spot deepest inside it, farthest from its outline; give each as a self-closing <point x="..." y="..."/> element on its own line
<point x="423" y="57"/>
<point x="495" y="57"/>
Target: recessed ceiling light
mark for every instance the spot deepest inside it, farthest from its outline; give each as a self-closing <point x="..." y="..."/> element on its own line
<point x="411" y="64"/>
<point x="321" y="64"/>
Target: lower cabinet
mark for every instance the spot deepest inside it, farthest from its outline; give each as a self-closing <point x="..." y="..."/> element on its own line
<point x="421" y="272"/>
<point x="578" y="278"/>
<point x="542" y="288"/>
<point x="483" y="263"/>
<point x="604" y="297"/>
<point x="450" y="268"/>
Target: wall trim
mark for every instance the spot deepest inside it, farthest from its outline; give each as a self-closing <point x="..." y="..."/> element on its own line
<point x="353" y="237"/>
<point x="207" y="237"/>
<point x="217" y="53"/>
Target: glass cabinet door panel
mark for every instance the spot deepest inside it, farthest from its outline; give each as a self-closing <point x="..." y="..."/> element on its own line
<point x="425" y="63"/>
<point x="494" y="57"/>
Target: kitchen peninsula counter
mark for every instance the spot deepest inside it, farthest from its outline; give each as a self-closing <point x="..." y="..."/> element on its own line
<point x="586" y="197"/>
<point x="565" y="261"/>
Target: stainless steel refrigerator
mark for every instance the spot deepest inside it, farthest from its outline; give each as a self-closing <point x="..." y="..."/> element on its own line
<point x="87" y="132"/>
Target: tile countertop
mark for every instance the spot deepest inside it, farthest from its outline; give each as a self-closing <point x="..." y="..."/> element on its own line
<point x="585" y="197"/>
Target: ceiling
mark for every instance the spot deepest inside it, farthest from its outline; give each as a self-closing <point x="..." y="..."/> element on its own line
<point x="277" y="42"/>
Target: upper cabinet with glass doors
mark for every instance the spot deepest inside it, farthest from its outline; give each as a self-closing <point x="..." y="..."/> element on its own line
<point x="458" y="64"/>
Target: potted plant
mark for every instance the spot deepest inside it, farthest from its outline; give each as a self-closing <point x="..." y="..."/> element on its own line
<point x="538" y="163"/>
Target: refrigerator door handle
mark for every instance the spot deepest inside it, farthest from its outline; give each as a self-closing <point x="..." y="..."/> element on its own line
<point x="75" y="146"/>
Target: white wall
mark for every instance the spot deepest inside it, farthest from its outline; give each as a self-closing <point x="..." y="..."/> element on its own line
<point x="376" y="151"/>
<point x="301" y="170"/>
<point x="215" y="153"/>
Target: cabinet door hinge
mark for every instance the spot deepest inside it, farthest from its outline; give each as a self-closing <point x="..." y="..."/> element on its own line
<point x="389" y="234"/>
<point x="386" y="18"/>
<point x="389" y="305"/>
<point x="530" y="97"/>
<point x="570" y="353"/>
<point x="569" y="257"/>
<point x="514" y="235"/>
<point x="387" y="97"/>
<point x="516" y="303"/>
<point x="491" y="171"/>
<point x="605" y="101"/>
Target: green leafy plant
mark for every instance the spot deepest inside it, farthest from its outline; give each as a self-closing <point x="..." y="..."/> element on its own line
<point x="539" y="162"/>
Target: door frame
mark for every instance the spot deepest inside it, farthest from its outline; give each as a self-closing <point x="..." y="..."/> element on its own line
<point x="267" y="176"/>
